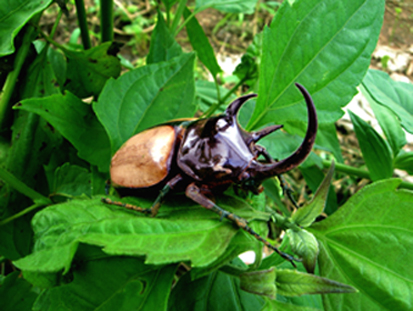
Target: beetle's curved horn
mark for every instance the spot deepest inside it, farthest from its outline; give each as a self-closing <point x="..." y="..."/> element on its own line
<point x="269" y="170"/>
<point x="235" y="106"/>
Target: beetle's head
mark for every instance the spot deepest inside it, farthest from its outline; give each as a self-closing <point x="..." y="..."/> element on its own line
<point x="258" y="171"/>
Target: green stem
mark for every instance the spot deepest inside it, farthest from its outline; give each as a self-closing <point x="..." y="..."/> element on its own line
<point x="11" y="80"/>
<point x="188" y="19"/>
<point x="178" y="14"/>
<point x="360" y="173"/>
<point x="106" y="20"/>
<point x="215" y="106"/>
<point x="82" y="20"/>
<point x="20" y="186"/>
<point x="22" y="213"/>
<point x="56" y="23"/>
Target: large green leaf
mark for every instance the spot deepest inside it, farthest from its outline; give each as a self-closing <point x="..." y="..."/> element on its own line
<point x="111" y="284"/>
<point x="60" y="228"/>
<point x="75" y="120"/>
<point x="13" y="16"/>
<point x="323" y="44"/>
<point x="146" y="97"/>
<point x="397" y="96"/>
<point x="367" y="244"/>
<point x="88" y="71"/>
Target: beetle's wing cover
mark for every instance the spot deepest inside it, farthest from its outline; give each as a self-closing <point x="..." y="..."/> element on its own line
<point x="145" y="159"/>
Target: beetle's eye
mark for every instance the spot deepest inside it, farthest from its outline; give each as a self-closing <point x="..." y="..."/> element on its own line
<point x="222" y="124"/>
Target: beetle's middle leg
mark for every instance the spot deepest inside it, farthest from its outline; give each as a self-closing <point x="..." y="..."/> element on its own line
<point x="193" y="192"/>
<point x="153" y="210"/>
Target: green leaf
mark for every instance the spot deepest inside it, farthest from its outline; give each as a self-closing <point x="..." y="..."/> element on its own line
<point x="145" y="97"/>
<point x="201" y="44"/>
<point x="111" y="284"/>
<point x="88" y="71"/>
<point x="60" y="228"/>
<point x="404" y="161"/>
<point x="230" y="6"/>
<point x="260" y="282"/>
<point x="306" y="215"/>
<point x="217" y="291"/>
<point x="394" y="95"/>
<point x="271" y="305"/>
<point x="375" y="150"/>
<point x="367" y="244"/>
<point x="76" y="122"/>
<point x="389" y="123"/>
<point x="70" y="181"/>
<point x="305" y="245"/>
<point x="16" y="293"/>
<point x="323" y="44"/>
<point x="163" y="45"/>
<point x="13" y="16"/>
<point x="294" y="283"/>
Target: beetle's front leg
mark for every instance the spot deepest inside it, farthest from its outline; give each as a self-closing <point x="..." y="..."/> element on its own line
<point x="193" y="192"/>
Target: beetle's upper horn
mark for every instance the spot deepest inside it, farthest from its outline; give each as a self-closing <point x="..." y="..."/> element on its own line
<point x="235" y="106"/>
<point x="269" y="170"/>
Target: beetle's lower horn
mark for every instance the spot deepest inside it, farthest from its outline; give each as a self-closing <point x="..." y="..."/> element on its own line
<point x="269" y="170"/>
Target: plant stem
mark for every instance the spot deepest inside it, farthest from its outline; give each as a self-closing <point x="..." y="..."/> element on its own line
<point x="215" y="106"/>
<point x="106" y="20"/>
<point x="20" y="186"/>
<point x="178" y="14"/>
<point x="81" y="18"/>
<point x="56" y="23"/>
<point x="12" y="77"/>
<point x="360" y="173"/>
<point x="22" y="213"/>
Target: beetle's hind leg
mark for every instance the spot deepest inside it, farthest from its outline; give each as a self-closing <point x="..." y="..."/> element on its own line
<point x="193" y="192"/>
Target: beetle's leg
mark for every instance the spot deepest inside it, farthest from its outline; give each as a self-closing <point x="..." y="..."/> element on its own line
<point x="127" y="205"/>
<point x="153" y="210"/>
<point x="194" y="193"/>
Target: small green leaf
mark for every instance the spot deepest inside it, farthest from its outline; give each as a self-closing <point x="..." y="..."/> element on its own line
<point x="214" y="292"/>
<point x="306" y="215"/>
<point x="404" y="161"/>
<point x="201" y="45"/>
<point x="71" y="181"/>
<point x="163" y="45"/>
<point x="16" y="293"/>
<point x="292" y="283"/>
<point x="261" y="282"/>
<point x="394" y="95"/>
<point x="376" y="152"/>
<point x="388" y="120"/>
<point x="110" y="284"/>
<point x="145" y="97"/>
<point x="88" y="71"/>
<point x="305" y="245"/>
<point x="13" y="16"/>
<point x="75" y="120"/>
<point x="233" y="6"/>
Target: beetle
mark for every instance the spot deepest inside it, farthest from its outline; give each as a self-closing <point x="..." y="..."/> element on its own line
<point x="203" y="157"/>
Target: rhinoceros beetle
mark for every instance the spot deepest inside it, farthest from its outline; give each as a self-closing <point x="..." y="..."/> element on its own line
<point x="203" y="157"/>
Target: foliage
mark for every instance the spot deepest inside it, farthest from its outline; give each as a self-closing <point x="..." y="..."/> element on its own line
<point x="78" y="253"/>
